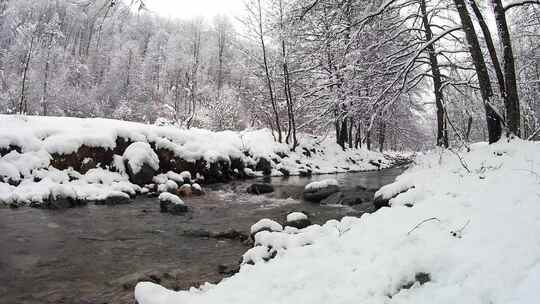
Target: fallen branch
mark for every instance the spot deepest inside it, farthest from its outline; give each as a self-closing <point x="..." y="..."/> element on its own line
<point x="423" y="222"/>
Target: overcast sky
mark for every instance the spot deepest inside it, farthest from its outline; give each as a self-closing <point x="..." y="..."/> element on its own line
<point x="195" y="8"/>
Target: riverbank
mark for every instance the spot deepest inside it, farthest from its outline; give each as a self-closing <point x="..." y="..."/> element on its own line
<point x="75" y="161"/>
<point x="463" y="227"/>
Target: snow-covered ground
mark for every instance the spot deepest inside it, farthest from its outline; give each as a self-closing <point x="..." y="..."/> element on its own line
<point x="32" y="147"/>
<point x="473" y="233"/>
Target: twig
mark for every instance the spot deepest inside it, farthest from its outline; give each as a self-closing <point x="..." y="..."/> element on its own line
<point x="463" y="163"/>
<point x="534" y="134"/>
<point x="458" y="233"/>
<point x="422" y="222"/>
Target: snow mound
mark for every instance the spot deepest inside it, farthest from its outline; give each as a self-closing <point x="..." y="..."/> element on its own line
<point x="473" y="229"/>
<point x="321" y="184"/>
<point x="138" y="154"/>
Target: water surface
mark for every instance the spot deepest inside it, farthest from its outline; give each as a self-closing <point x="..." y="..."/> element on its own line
<point x="94" y="254"/>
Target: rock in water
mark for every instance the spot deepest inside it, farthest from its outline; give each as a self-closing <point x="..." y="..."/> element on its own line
<point x="264" y="165"/>
<point x="197" y="189"/>
<point x="317" y="191"/>
<point x="141" y="163"/>
<point x="185" y="190"/>
<point x="298" y="220"/>
<point x="349" y="198"/>
<point x="115" y="198"/>
<point x="172" y="204"/>
<point x="260" y="188"/>
<point x="265" y="225"/>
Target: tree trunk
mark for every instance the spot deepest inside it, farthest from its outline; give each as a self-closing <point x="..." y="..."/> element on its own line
<point x="382" y="135"/>
<point x="350" y="135"/>
<point x="342" y="140"/>
<point x="494" y="120"/>
<point x="491" y="48"/>
<point x="358" y="138"/>
<point x="23" y="104"/>
<point x="513" y="116"/>
<point x="368" y="139"/>
<point x="44" y="98"/>
<point x="442" y="133"/>
<point x="267" y="73"/>
<point x="469" y="128"/>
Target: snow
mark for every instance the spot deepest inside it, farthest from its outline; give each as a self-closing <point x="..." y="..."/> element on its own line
<point x="197" y="187"/>
<point x="491" y="201"/>
<point x="296" y="216"/>
<point x="266" y="224"/>
<point x="180" y="178"/>
<point x="38" y="142"/>
<point x="171" y="198"/>
<point x="140" y="153"/>
<point x="321" y="184"/>
<point x="168" y="186"/>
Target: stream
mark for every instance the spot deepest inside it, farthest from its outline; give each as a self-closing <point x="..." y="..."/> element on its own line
<point x="96" y="254"/>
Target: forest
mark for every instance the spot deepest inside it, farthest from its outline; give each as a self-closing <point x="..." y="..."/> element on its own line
<point x="385" y="74"/>
<point x="295" y="151"/>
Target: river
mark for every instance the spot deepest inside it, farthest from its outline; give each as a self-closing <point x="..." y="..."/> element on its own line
<point x="95" y="254"/>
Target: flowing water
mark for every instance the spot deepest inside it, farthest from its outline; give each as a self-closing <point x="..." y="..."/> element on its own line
<point x="95" y="254"/>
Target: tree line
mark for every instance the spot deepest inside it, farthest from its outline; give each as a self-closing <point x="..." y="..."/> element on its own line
<point x="383" y="74"/>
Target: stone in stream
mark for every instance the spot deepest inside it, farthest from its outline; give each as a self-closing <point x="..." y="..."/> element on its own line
<point x="264" y="165"/>
<point x="116" y="198"/>
<point x="196" y="189"/>
<point x="265" y="225"/>
<point x="344" y="198"/>
<point x="141" y="163"/>
<point x="185" y="190"/>
<point x="260" y="188"/>
<point x="228" y="270"/>
<point x="59" y="202"/>
<point x="297" y="220"/>
<point x="317" y="191"/>
<point x="172" y="204"/>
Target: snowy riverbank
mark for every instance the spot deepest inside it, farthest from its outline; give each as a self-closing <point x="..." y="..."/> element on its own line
<point x="43" y="158"/>
<point x="467" y="232"/>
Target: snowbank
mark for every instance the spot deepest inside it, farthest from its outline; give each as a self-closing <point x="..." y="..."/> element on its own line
<point x="473" y="231"/>
<point x="34" y="148"/>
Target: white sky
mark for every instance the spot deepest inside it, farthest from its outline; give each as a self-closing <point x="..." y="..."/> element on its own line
<point x="186" y="9"/>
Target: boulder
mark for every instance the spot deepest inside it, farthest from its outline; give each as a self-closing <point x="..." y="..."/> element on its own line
<point x="333" y="199"/>
<point x="285" y="172"/>
<point x="185" y="190"/>
<point x="59" y="202"/>
<point x="317" y="191"/>
<point x="265" y="225"/>
<point x="196" y="189"/>
<point x="115" y="198"/>
<point x="260" y="188"/>
<point x="349" y="198"/>
<point x="228" y="270"/>
<point x="297" y="220"/>
<point x="171" y="203"/>
<point x="141" y="163"/>
<point x="264" y="165"/>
